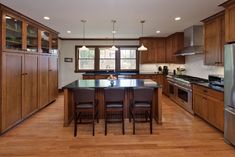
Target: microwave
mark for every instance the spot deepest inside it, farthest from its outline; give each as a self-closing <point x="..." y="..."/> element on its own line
<point x="217" y="80"/>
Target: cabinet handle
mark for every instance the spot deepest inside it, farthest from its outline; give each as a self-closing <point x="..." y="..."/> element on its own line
<point x="49" y="70"/>
<point x="205" y="91"/>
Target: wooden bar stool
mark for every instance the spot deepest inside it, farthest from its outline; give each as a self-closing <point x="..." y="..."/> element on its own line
<point x="85" y="103"/>
<point x="141" y="103"/>
<point x="114" y="106"/>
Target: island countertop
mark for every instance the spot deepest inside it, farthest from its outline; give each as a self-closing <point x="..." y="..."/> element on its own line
<point x="103" y="83"/>
<point x="100" y="84"/>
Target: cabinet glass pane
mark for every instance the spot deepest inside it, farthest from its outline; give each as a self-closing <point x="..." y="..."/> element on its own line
<point x="54" y="44"/>
<point x="13" y="33"/>
<point x="32" y="38"/>
<point x="45" y="41"/>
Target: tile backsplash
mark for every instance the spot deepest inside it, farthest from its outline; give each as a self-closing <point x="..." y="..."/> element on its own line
<point x="193" y="64"/>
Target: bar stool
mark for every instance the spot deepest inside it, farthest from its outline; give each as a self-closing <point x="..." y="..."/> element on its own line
<point x="85" y="103"/>
<point x="114" y="103"/>
<point x="141" y="103"/>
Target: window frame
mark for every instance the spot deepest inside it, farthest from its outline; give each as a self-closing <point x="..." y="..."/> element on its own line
<point x="97" y="58"/>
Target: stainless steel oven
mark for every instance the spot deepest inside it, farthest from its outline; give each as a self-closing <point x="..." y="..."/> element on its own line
<point x="183" y="96"/>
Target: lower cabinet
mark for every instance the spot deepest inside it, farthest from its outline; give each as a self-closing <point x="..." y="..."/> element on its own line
<point x="12" y="88"/>
<point x="209" y="105"/>
<point x="29" y="82"/>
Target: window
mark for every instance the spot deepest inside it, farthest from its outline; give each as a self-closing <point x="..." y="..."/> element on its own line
<point x="86" y="59"/>
<point x="100" y="58"/>
<point x="107" y="59"/>
<point x="128" y="58"/>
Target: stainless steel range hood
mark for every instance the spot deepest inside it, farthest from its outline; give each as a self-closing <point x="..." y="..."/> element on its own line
<point x="193" y="41"/>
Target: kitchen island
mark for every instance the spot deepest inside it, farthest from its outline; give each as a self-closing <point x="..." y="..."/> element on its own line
<point x="99" y="86"/>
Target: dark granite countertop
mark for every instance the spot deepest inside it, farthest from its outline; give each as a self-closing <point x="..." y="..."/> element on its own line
<point x="214" y="87"/>
<point x="120" y="73"/>
<point x="103" y="83"/>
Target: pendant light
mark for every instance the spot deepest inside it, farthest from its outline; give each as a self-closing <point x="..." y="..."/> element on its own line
<point x="84" y="48"/>
<point x="142" y="47"/>
<point x="113" y="48"/>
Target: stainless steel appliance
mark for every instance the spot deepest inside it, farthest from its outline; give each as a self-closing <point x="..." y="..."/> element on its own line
<point x="229" y="93"/>
<point x="216" y="80"/>
<point x="180" y="90"/>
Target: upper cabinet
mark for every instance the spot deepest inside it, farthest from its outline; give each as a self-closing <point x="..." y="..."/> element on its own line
<point x="32" y="38"/>
<point x="229" y="21"/>
<point x="174" y="43"/>
<point x="21" y="34"/>
<point x="13" y="32"/>
<point x="214" y="33"/>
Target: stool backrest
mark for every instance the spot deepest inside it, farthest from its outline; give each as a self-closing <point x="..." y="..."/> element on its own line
<point x="84" y="95"/>
<point x="114" y="94"/>
<point x="143" y="94"/>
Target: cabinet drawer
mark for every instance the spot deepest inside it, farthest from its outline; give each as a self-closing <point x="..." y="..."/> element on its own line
<point x="208" y="92"/>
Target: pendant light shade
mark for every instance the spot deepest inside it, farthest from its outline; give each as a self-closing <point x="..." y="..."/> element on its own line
<point x="142" y="47"/>
<point x="84" y="48"/>
<point x="113" y="48"/>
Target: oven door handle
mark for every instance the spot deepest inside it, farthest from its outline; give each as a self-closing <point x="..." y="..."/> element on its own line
<point x="186" y="89"/>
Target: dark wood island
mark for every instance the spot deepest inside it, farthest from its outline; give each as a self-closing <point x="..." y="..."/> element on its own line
<point x="99" y="86"/>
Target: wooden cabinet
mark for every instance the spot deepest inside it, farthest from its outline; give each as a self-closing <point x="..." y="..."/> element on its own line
<point x="53" y="78"/>
<point x="30" y="97"/>
<point x="43" y="81"/>
<point x="28" y="77"/>
<point x="209" y="105"/>
<point x="229" y="20"/>
<point x="12" y="89"/>
<point x="174" y="43"/>
<point x="155" y="52"/>
<point x="214" y="39"/>
<point x="165" y="85"/>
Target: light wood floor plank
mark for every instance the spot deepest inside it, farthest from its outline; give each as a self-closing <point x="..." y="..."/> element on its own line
<point x="181" y="134"/>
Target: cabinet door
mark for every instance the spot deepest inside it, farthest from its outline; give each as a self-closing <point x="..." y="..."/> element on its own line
<point x="177" y="45"/>
<point x="149" y="55"/>
<point x="12" y="89"/>
<point x="53" y="75"/>
<point x="213" y="41"/>
<point x="30" y="84"/>
<point x="43" y="81"/>
<point x="230" y="24"/>
<point x="169" y="50"/>
<point x="200" y="106"/>
<point x="160" y="51"/>
<point x="216" y="113"/>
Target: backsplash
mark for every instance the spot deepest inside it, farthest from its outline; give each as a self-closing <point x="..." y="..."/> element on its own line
<point x="193" y="64"/>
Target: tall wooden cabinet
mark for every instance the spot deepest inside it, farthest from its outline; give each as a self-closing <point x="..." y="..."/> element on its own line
<point x="214" y="32"/>
<point x="28" y="61"/>
<point x="229" y="20"/>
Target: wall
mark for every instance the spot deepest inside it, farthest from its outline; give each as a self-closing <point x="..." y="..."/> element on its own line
<point x="67" y="50"/>
<point x="193" y="64"/>
<point x="195" y="67"/>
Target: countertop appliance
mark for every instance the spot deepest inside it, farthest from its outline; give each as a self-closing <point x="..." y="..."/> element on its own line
<point x="216" y="80"/>
<point x="229" y="94"/>
<point x="165" y="70"/>
<point x="180" y="90"/>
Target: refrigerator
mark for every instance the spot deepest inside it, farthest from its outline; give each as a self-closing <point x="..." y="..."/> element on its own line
<point x="229" y="94"/>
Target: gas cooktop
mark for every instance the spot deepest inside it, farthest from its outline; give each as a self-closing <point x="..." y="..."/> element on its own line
<point x="187" y="79"/>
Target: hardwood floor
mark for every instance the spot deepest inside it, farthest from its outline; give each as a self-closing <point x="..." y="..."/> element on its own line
<point x="181" y="134"/>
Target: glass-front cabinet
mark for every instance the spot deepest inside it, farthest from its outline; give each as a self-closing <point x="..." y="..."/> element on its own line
<point x="54" y="44"/>
<point x="45" y="41"/>
<point x="13" y="33"/>
<point x="32" y="38"/>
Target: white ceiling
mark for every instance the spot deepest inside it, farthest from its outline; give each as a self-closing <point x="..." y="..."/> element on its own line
<point x="159" y="15"/>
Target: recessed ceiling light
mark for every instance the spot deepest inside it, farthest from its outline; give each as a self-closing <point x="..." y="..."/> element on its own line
<point x="8" y="17"/>
<point x="114" y="32"/>
<point x="69" y="32"/>
<point x="177" y="18"/>
<point x="158" y="32"/>
<point x="46" y="18"/>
